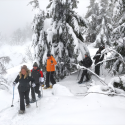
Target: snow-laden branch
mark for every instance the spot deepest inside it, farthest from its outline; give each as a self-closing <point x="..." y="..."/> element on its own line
<point x="105" y="60"/>
<point x="112" y="50"/>
<point x="109" y="94"/>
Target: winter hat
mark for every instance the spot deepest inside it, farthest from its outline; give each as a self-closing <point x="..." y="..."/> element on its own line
<point x="27" y="71"/>
<point x="48" y="54"/>
<point x="35" y="64"/>
<point x="101" y="47"/>
<point x="86" y="54"/>
<point x="24" y="67"/>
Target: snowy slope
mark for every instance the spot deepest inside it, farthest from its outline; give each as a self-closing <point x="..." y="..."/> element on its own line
<point x="64" y="104"/>
<point x="63" y="108"/>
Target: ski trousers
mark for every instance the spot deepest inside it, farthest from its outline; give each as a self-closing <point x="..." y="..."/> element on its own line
<point x="36" y="90"/>
<point x="84" y="74"/>
<point x="97" y="69"/>
<point x="24" y="95"/>
<point x="50" y="78"/>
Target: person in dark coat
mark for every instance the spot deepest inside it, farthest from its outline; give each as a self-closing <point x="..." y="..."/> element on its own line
<point x="39" y="79"/>
<point x="87" y="62"/>
<point x="98" y="58"/>
<point x="24" y="87"/>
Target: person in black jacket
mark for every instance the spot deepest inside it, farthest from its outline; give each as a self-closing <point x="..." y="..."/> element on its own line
<point x="98" y="58"/>
<point x="39" y="80"/>
<point x="24" y="87"/>
<point x="87" y="62"/>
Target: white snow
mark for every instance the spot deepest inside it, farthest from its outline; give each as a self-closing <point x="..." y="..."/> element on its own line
<point x="65" y="104"/>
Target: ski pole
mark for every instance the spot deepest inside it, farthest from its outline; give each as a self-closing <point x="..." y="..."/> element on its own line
<point x="35" y="97"/>
<point x="13" y="97"/>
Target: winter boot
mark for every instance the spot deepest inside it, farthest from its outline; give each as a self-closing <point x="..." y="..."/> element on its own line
<point x="33" y="100"/>
<point x="80" y="82"/>
<point x="28" y="105"/>
<point x="39" y="95"/>
<point x="51" y="86"/>
<point x="86" y="80"/>
<point x="21" y="111"/>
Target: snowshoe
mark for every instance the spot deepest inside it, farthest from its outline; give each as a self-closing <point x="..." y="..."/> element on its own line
<point x="21" y="111"/>
<point x="45" y="87"/>
<point x="42" y="85"/>
<point x="33" y="100"/>
<point x="27" y="106"/>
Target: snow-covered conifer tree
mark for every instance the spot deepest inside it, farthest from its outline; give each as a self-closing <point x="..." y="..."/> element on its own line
<point x="118" y="37"/>
<point x="104" y="27"/>
<point x="62" y="38"/>
<point x="92" y="17"/>
<point x="3" y="61"/>
<point x="38" y="34"/>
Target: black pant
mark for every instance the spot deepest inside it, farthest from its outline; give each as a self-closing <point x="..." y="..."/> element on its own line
<point x="22" y="95"/>
<point x="84" y="74"/>
<point x="50" y="78"/>
<point x="36" y="88"/>
<point x="97" y="69"/>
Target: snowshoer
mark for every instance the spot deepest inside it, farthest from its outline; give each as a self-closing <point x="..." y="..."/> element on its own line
<point x="87" y="62"/>
<point x="39" y="80"/>
<point x="98" y="58"/>
<point x="24" y="87"/>
<point x="50" y="70"/>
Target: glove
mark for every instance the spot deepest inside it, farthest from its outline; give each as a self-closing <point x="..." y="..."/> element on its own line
<point x="51" y="61"/>
<point x="14" y="83"/>
<point x="33" y="85"/>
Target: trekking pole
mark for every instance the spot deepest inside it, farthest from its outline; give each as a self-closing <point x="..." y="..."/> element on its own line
<point x="13" y="97"/>
<point x="41" y="91"/>
<point x="35" y="97"/>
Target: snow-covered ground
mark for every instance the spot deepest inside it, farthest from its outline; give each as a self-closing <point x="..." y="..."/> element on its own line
<point x="65" y="104"/>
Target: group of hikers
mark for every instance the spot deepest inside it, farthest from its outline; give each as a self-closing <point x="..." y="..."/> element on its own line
<point x="35" y="76"/>
<point x="87" y="62"/>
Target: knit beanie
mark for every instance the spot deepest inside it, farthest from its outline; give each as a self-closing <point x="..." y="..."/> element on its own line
<point x="35" y="64"/>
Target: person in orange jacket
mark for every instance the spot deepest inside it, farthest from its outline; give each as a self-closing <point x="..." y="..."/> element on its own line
<point x="50" y="69"/>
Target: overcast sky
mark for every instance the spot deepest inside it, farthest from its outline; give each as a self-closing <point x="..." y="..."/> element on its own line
<point x="15" y="14"/>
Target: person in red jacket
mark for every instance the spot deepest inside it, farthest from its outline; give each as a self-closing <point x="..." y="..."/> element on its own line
<point x="39" y="79"/>
<point x="50" y="68"/>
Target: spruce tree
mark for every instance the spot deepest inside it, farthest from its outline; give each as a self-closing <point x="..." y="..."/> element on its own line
<point x="63" y="39"/>
<point x="104" y="27"/>
<point x="117" y="65"/>
<point x="92" y="18"/>
<point x="3" y="81"/>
